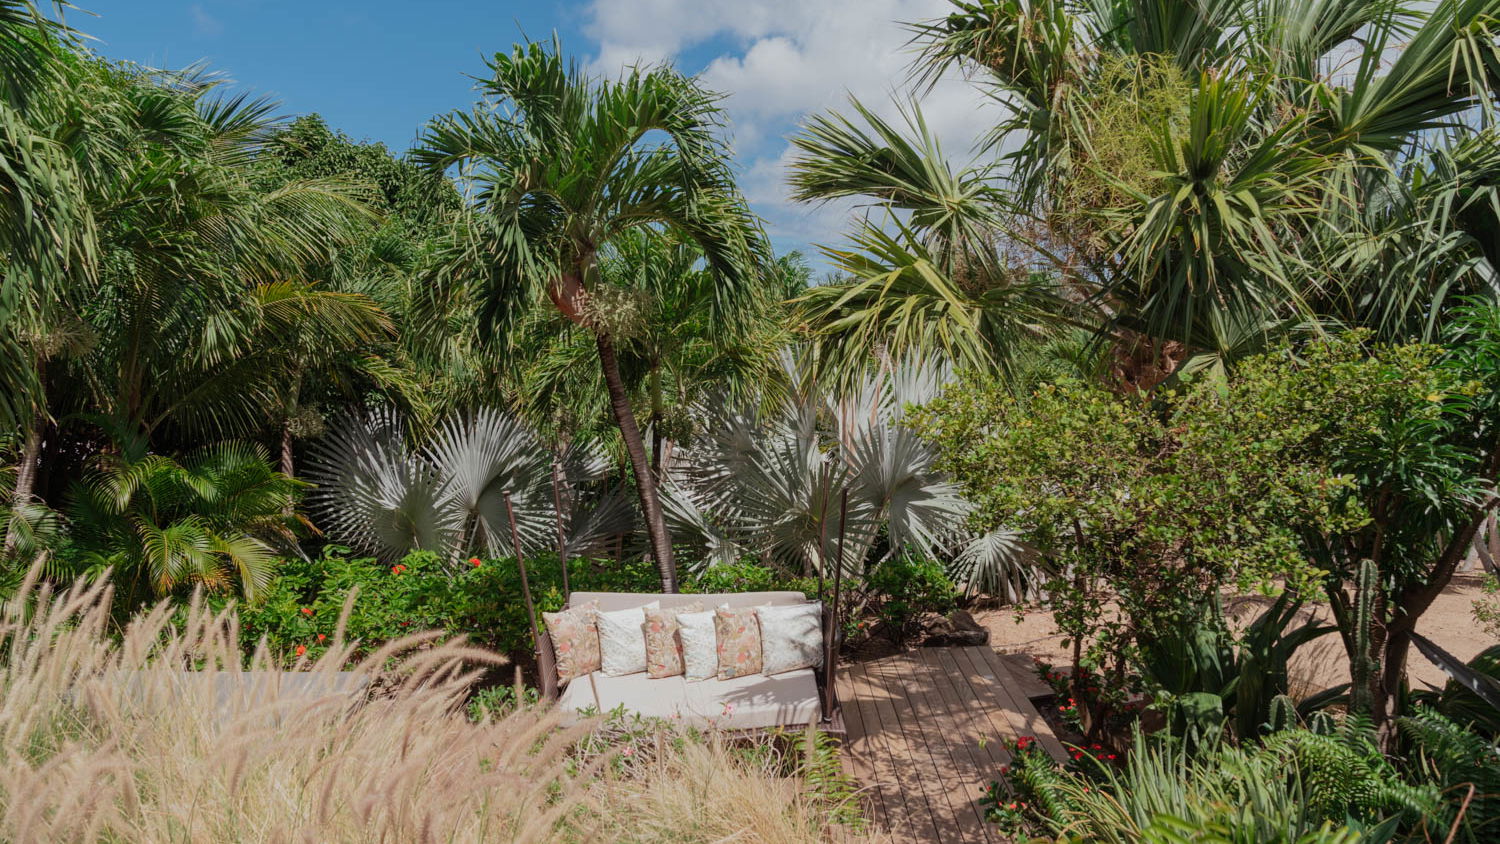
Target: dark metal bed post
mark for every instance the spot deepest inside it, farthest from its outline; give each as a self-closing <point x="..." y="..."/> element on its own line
<point x="830" y="657"/>
<point x="515" y="540"/>
<point x="823" y="538"/>
<point x="562" y="541"/>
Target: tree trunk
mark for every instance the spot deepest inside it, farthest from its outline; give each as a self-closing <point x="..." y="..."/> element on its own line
<point x="645" y="477"/>
<point x="288" y="460"/>
<point x="31" y="454"/>
<point x="656" y="413"/>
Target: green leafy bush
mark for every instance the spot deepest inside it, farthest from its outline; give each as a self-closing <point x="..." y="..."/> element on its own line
<point x="752" y="576"/>
<point x="482" y="599"/>
<point x="1298" y="783"/>
<point x="905" y="588"/>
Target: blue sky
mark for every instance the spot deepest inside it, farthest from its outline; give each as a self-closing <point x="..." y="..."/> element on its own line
<point x="377" y="69"/>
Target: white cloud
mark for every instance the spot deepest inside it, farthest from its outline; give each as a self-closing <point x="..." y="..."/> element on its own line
<point x="204" y="24"/>
<point x="781" y="60"/>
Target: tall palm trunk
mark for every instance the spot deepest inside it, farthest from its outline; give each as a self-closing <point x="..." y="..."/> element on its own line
<point x="656" y="415"/>
<point x="645" y="477"/>
<point x="31" y="455"/>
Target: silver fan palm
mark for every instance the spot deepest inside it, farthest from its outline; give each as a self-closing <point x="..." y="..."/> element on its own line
<point x="386" y="498"/>
<point x="771" y="484"/>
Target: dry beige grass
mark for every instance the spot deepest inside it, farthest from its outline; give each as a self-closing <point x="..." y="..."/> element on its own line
<point x="109" y="738"/>
<point x="707" y="792"/>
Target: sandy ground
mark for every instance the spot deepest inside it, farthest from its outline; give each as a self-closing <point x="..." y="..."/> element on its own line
<point x="1320" y="664"/>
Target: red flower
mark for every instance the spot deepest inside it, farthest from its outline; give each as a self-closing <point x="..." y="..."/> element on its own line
<point x="307" y="610"/>
<point x="474" y="561"/>
<point x="301" y="649"/>
<point x="395" y="569"/>
<point x="322" y="637"/>
<point x="1024" y="742"/>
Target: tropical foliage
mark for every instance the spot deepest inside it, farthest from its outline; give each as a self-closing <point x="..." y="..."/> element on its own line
<point x="1209" y="310"/>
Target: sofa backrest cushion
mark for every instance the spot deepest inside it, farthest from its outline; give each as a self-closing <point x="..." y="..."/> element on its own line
<point x="613" y="601"/>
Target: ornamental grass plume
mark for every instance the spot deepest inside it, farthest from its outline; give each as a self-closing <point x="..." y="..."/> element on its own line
<point x="107" y="738"/>
<point x="164" y="731"/>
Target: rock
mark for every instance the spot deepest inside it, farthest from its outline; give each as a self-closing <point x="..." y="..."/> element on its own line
<point x="957" y="629"/>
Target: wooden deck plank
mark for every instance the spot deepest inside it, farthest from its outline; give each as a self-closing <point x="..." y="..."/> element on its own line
<point x="1024" y="677"/>
<point x="907" y="811"/>
<point x="975" y="765"/>
<point x="955" y="772"/>
<point x="859" y="750"/>
<point x="986" y="752"/>
<point x="874" y="751"/>
<point x="1003" y="731"/>
<point x="923" y="776"/>
<point x="1024" y="717"/>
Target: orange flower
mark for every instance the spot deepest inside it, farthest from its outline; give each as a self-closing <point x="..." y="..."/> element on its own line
<point x="322" y="637"/>
<point x="301" y="649"/>
<point x="307" y="610"/>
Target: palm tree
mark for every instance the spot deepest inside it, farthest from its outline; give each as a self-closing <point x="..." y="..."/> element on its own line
<point x="216" y="518"/>
<point x="770" y="482"/>
<point x="672" y="354"/>
<point x="1193" y="177"/>
<point x="560" y="165"/>
<point x="48" y="242"/>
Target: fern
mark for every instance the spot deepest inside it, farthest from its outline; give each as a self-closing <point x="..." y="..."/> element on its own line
<point x="822" y="772"/>
<point x="1344" y="773"/>
<point x="1456" y="758"/>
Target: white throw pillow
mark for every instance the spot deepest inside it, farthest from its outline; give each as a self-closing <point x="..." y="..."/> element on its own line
<point x="791" y="637"/>
<point x="622" y="644"/>
<point x="700" y="651"/>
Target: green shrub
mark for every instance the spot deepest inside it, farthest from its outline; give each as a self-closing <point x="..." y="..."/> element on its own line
<point x="751" y="576"/>
<point x="480" y="598"/>
<point x="904" y="588"/>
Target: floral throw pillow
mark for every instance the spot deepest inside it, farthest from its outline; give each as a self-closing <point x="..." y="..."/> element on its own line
<point x="575" y="640"/>
<point x="663" y="644"/>
<point x="738" y="632"/>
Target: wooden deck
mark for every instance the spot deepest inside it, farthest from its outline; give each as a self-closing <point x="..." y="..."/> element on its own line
<point x="927" y="732"/>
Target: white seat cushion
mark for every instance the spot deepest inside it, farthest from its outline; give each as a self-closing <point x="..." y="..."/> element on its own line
<point x="743" y="703"/>
<point x="755" y="701"/>
<point x="578" y="696"/>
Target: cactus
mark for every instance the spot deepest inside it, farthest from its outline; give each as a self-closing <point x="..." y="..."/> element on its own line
<point x="1283" y="713"/>
<point x="1323" y="723"/>
<point x="1362" y="667"/>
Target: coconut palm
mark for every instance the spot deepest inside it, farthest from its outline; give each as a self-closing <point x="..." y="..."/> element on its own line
<point x="560" y="165"/>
